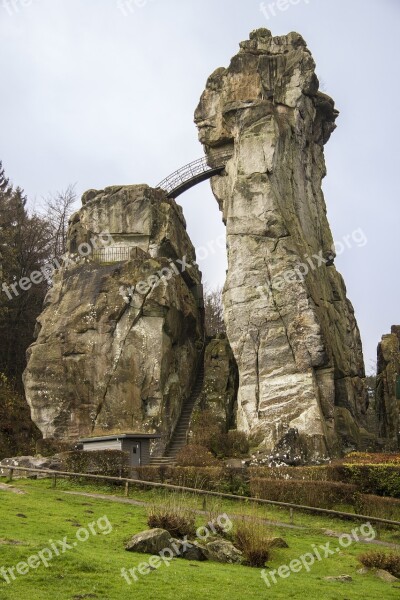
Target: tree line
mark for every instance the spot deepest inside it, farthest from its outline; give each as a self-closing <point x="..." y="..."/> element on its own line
<point x="28" y="241"/>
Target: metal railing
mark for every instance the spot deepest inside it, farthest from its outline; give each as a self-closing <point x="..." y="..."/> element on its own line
<point x="194" y="172"/>
<point x="112" y="254"/>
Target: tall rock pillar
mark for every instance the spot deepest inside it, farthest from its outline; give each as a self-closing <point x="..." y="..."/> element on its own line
<point x="289" y="322"/>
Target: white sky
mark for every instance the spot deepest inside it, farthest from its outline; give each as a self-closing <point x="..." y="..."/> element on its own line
<point x="98" y="97"/>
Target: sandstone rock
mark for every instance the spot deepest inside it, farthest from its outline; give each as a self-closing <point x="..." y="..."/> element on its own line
<point x="53" y="463"/>
<point x="152" y="541"/>
<point x="115" y="353"/>
<point x="290" y="325"/>
<point x="223" y="551"/>
<point x="385" y="576"/>
<point x="387" y="405"/>
<point x="196" y="552"/>
<point x="219" y="393"/>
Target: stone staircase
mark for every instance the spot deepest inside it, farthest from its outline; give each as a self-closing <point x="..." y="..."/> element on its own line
<point x="179" y="436"/>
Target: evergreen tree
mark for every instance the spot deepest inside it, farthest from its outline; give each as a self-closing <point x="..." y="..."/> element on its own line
<point x="24" y="248"/>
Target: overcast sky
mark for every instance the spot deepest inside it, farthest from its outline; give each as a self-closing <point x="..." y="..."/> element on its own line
<point x="101" y="92"/>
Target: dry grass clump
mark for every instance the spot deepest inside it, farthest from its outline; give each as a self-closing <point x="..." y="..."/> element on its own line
<point x="173" y="516"/>
<point x="253" y="540"/>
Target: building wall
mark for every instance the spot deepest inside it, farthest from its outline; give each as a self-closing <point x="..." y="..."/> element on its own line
<point x="103" y="445"/>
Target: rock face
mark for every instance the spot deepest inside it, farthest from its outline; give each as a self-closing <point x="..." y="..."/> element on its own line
<point x="219" y="393"/>
<point x="289" y="323"/>
<point x="120" y="333"/>
<point x="387" y="402"/>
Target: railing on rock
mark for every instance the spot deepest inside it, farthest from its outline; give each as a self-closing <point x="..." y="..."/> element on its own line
<point x="193" y="173"/>
<point x="112" y="254"/>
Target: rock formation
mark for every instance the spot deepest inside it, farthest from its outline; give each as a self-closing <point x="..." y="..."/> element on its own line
<point x="219" y="393"/>
<point x="290" y="325"/>
<point x="387" y="401"/>
<point x="118" y="340"/>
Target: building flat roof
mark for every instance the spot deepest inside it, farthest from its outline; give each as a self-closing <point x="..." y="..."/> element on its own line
<point x="121" y="436"/>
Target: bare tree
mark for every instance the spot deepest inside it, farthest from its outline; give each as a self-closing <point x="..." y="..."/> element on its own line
<point x="214" y="315"/>
<point x="58" y="209"/>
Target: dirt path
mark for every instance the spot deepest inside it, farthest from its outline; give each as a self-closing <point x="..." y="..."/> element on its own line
<point x="4" y="487"/>
<point x="326" y="532"/>
<point x="198" y="512"/>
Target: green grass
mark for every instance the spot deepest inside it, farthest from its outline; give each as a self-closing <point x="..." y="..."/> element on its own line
<point x="92" y="568"/>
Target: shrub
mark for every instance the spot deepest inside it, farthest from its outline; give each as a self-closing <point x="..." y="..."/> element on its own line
<point x="381" y="480"/>
<point x="253" y="540"/>
<point x="195" y="456"/>
<point x="113" y="463"/>
<point x="173" y="516"/>
<point x="51" y="446"/>
<point x="209" y="432"/>
<point x="206" y="429"/>
<point x="376" y="506"/>
<point x="202" y="478"/>
<point x="371" y="458"/>
<point x="320" y="494"/>
<point x="380" y="560"/>
<point x="233" y="444"/>
<point x="218" y="479"/>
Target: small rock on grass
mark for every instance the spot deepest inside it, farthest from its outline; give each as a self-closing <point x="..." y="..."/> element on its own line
<point x="151" y="541"/>
<point x="386" y="576"/>
<point x="339" y="578"/>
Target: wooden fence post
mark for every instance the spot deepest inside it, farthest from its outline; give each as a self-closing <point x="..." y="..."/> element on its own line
<point x="54" y="480"/>
<point x="10" y="475"/>
<point x="127" y="488"/>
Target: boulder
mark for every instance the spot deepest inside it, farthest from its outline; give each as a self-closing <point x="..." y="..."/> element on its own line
<point x="385" y="576"/>
<point x="151" y="541"/>
<point x="53" y="463"/>
<point x="223" y="551"/>
<point x="196" y="552"/>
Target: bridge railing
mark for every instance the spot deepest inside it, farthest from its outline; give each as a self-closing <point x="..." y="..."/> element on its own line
<point x="193" y="170"/>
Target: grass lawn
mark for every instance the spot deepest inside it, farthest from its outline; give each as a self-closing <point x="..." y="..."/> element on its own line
<point x="92" y="568"/>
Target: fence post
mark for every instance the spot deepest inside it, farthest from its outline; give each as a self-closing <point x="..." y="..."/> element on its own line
<point x="126" y="488"/>
<point x="10" y="475"/>
<point x="291" y="516"/>
<point x="54" y="480"/>
<point x="204" y="502"/>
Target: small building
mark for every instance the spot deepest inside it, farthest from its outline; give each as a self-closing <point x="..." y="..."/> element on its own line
<point x="137" y="445"/>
